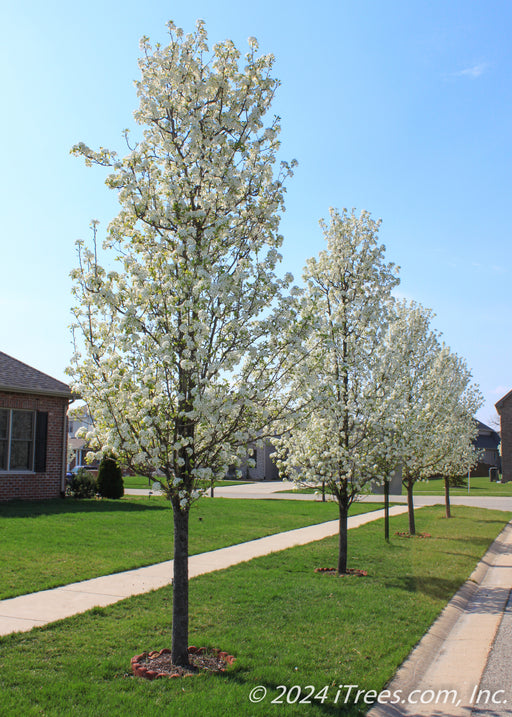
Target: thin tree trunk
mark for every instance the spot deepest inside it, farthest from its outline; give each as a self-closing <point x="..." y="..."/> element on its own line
<point x="180" y="587"/>
<point x="410" y="505"/>
<point x="386" y="509"/>
<point x="447" y="497"/>
<point x="343" y="538"/>
<point x="323" y="491"/>
<point x="211" y="488"/>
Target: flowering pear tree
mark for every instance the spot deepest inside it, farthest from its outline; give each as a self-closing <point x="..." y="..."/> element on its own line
<point x="409" y="347"/>
<point x="454" y="447"/>
<point x="178" y="355"/>
<point x="434" y="400"/>
<point x="339" y="373"/>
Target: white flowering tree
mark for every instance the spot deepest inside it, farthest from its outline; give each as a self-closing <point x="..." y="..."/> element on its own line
<point x="434" y="401"/>
<point x="409" y="347"/>
<point x="178" y="355"/>
<point x="454" y="451"/>
<point x="339" y="374"/>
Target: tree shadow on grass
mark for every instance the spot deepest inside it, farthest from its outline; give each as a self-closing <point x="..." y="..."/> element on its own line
<point x="33" y="509"/>
<point x="437" y="588"/>
<point x="471" y="540"/>
<point x="495" y="521"/>
<point x="485" y="600"/>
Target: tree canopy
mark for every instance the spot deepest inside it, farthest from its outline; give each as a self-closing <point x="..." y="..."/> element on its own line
<point x="339" y="373"/>
<point x="178" y="349"/>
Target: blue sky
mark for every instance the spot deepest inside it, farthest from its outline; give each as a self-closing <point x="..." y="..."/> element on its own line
<point x="401" y="108"/>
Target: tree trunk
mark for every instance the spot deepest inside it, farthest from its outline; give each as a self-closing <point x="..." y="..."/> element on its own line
<point x="185" y="428"/>
<point x="410" y="505"/>
<point x="386" y="510"/>
<point x="323" y="491"/>
<point x="343" y="538"/>
<point x="212" y="485"/>
<point x="180" y="587"/>
<point x="447" y="497"/>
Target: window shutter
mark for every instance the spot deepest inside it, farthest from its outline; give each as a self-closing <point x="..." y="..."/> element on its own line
<point x="40" y="448"/>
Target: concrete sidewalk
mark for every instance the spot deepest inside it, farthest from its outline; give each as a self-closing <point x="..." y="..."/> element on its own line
<point x="27" y="611"/>
<point x="276" y="490"/>
<point x="462" y="666"/>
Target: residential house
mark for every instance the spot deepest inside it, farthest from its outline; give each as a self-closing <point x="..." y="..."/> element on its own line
<point x="504" y="408"/>
<point x="33" y="432"/>
<point x="487" y="443"/>
<point x="77" y="447"/>
<point x="394" y="482"/>
<point x="264" y="467"/>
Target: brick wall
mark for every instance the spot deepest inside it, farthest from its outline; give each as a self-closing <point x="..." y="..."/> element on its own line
<point x="504" y="408"/>
<point x="38" y="486"/>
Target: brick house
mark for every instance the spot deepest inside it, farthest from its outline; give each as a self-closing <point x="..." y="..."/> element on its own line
<point x="504" y="408"/>
<point x="487" y="444"/>
<point x="33" y="432"/>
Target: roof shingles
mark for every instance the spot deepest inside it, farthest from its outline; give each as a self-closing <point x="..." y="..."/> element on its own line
<point x="17" y="376"/>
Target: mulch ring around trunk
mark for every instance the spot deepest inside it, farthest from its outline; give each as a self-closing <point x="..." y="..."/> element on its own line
<point x="350" y="571"/>
<point x="152" y="665"/>
<point x="406" y="534"/>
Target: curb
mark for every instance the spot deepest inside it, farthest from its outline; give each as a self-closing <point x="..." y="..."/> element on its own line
<point x="423" y="655"/>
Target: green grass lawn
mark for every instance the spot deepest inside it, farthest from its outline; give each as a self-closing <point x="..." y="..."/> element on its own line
<point x="478" y="487"/>
<point x="286" y="625"/>
<point x="142" y="482"/>
<point x="304" y="491"/>
<point x="51" y="543"/>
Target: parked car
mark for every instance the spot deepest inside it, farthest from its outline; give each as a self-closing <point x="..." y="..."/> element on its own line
<point x="93" y="470"/>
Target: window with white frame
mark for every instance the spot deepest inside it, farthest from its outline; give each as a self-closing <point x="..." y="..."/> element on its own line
<point x="17" y="439"/>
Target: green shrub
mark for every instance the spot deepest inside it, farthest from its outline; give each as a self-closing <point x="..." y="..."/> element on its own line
<point x="110" y="480"/>
<point x="82" y="485"/>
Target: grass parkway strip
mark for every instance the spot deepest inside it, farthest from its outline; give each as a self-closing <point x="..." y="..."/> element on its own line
<point x="54" y="543"/>
<point x="298" y="635"/>
<point x="24" y="612"/>
<point x="478" y="487"/>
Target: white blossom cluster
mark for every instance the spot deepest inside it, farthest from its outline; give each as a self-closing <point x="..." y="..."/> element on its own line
<point x="434" y="428"/>
<point x="377" y="387"/>
<point x="339" y="369"/>
<point x="179" y="347"/>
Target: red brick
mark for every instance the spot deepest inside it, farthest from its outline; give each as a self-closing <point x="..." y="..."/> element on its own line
<point x="504" y="408"/>
<point x="38" y="486"/>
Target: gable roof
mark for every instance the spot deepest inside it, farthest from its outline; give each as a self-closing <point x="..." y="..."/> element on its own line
<point x="483" y="428"/>
<point x="499" y="403"/>
<point x="20" y="378"/>
<point x="487" y="437"/>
